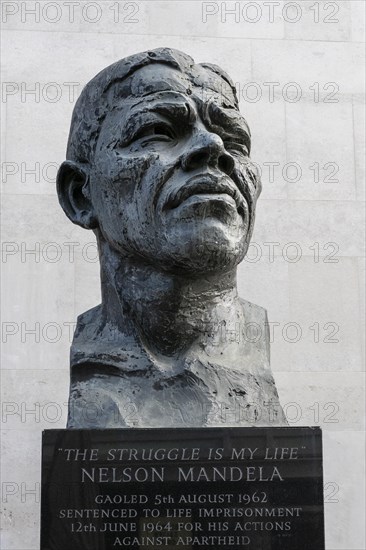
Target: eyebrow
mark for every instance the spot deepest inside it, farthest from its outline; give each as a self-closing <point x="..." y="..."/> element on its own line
<point x="225" y="122"/>
<point x="173" y="110"/>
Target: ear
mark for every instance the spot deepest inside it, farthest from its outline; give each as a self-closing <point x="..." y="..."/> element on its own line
<point x="74" y="194"/>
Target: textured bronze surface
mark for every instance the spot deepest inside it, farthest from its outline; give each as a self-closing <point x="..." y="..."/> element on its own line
<point x="158" y="166"/>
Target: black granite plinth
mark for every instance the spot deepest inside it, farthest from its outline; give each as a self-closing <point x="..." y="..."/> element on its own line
<point x="232" y="488"/>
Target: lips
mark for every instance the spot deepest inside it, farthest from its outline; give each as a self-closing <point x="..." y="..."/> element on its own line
<point x="206" y="184"/>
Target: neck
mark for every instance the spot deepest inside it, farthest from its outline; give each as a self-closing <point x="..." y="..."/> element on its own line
<point x="167" y="312"/>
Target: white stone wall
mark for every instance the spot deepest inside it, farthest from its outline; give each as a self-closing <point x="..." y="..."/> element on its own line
<point x="310" y="278"/>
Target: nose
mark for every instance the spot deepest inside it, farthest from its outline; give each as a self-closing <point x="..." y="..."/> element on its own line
<point x="207" y="149"/>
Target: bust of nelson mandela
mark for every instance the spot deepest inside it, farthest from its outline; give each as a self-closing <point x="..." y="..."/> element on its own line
<point x="158" y="166"/>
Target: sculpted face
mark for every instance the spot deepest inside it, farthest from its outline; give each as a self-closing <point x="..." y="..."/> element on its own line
<point x="169" y="179"/>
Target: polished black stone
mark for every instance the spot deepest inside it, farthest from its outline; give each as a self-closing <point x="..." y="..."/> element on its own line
<point x="227" y="488"/>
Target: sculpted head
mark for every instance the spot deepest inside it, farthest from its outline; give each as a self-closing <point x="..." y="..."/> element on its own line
<point x="158" y="164"/>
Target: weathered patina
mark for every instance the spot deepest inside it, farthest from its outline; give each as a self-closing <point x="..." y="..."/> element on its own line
<point x="158" y="166"/>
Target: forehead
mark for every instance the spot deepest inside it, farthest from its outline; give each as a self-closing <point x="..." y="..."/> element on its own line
<point x="158" y="77"/>
<point x="155" y="80"/>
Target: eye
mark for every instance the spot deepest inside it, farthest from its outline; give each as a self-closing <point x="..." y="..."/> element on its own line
<point x="236" y="147"/>
<point x="156" y="131"/>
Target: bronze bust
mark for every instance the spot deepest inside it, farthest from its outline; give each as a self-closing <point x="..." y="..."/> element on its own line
<point x="158" y="167"/>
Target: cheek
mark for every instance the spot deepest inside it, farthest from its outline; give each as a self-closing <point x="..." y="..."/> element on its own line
<point x="115" y="178"/>
<point x="124" y="187"/>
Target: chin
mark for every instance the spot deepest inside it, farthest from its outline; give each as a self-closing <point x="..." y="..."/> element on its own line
<point x="215" y="251"/>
